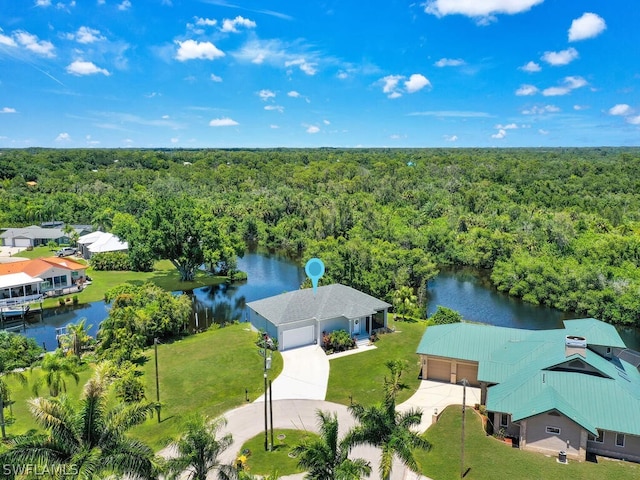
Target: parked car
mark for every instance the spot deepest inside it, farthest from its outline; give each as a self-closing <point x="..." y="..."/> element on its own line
<point x="66" y="251"/>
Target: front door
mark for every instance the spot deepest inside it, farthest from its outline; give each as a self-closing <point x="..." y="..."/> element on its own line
<point x="356" y="326"/>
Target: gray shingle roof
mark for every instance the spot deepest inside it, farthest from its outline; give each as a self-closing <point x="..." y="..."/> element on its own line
<point x="330" y="301"/>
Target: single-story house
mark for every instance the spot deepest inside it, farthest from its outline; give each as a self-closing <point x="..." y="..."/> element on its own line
<point x="39" y="276"/>
<point x="575" y="389"/>
<point x="34" y="235"/>
<point x="100" y="242"/>
<point x="300" y="317"/>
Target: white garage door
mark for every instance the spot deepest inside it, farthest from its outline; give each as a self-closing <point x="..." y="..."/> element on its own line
<point x="21" y="242"/>
<point x="297" y="337"/>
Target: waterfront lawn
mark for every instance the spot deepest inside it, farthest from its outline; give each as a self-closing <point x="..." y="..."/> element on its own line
<point x="486" y="457"/>
<point x="362" y="375"/>
<point x="278" y="460"/>
<point x="205" y="373"/>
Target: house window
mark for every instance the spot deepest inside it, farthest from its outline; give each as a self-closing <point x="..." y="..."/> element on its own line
<point x="504" y="420"/>
<point x="619" y="439"/>
<point x="553" y="430"/>
<point x="599" y="438"/>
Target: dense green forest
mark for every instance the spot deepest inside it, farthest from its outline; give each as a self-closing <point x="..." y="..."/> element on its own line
<point x="558" y="227"/>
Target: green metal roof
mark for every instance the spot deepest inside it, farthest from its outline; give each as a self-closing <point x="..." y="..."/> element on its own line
<point x="529" y="370"/>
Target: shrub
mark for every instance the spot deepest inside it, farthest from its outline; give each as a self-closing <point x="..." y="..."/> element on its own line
<point x="113" y="261"/>
<point x="445" y="315"/>
<point x="337" y="341"/>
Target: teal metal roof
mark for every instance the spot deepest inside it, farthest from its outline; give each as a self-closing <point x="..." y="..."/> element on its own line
<point x="529" y="369"/>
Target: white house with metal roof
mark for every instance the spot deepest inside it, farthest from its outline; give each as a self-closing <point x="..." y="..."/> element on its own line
<point x="572" y="389"/>
<point x="300" y="317"/>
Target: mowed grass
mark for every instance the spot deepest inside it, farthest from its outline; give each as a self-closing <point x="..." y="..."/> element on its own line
<point x="360" y="377"/>
<point x="164" y="275"/>
<point x="486" y="457"/>
<point x="262" y="462"/>
<point x="205" y="373"/>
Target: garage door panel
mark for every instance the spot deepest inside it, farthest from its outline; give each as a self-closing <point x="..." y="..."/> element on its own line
<point x="470" y="372"/>
<point x="438" y="370"/>
<point x="298" y="337"/>
<point x="21" y="242"/>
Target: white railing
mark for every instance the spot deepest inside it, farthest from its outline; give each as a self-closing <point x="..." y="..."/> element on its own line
<point x="17" y="301"/>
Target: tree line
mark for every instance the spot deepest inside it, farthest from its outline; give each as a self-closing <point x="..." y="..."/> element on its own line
<point x="556" y="227"/>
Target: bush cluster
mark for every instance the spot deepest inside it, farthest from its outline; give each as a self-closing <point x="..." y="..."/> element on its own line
<point x="337" y="341"/>
<point x="112" y="261"/>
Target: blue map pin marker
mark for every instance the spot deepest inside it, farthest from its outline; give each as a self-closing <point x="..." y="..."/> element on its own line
<point x="314" y="270"/>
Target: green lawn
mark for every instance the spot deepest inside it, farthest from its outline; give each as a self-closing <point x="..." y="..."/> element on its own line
<point x="205" y="373"/>
<point x="486" y="457"/>
<point x="260" y="462"/>
<point x="362" y="375"/>
<point x="164" y="274"/>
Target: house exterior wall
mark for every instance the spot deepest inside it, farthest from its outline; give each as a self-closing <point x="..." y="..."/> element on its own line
<point x="571" y="439"/>
<point x="333" y="324"/>
<point x="608" y="447"/>
<point x="261" y="323"/>
<point x="510" y="429"/>
<point x="53" y="272"/>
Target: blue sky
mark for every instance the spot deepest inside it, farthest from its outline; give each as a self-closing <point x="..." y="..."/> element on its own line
<point x="281" y="73"/>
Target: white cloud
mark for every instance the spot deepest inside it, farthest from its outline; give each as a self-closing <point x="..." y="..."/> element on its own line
<point x="192" y="50"/>
<point x="451" y="114"/>
<point x="8" y="110"/>
<point x="580" y="107"/>
<point x="165" y="117"/>
<point x="294" y="94"/>
<point x="88" y="35"/>
<point x="526" y="90"/>
<point x="570" y="83"/>
<point x="8" y="41"/>
<point x="266" y="94"/>
<point x="215" y="78"/>
<point x="449" y="62"/>
<point x="479" y="9"/>
<point x="634" y="120"/>
<point x="390" y="84"/>
<point x="229" y="25"/>
<point x="563" y="57"/>
<point x="33" y="44"/>
<point x="543" y="132"/>
<point x="313" y="129"/>
<point x="416" y="82"/>
<point x="500" y="135"/>
<point x="223" y="122"/>
<point x="620" y="109"/>
<point x="206" y="22"/>
<point x="80" y="67"/>
<point x="273" y="126"/>
<point x="277" y="108"/>
<point x="531" y="67"/>
<point x="326" y="122"/>
<point x="537" y="110"/>
<point x="342" y="75"/>
<point x="451" y="138"/>
<point x="589" y="25"/>
<point x="510" y="126"/>
<point x="43" y="3"/>
<point x="63" y="137"/>
<point x="306" y="67"/>
<point x="175" y="140"/>
<point x="125" y="5"/>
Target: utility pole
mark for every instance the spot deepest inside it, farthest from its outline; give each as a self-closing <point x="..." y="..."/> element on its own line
<point x="271" y="412"/>
<point x="464" y="398"/>
<point x="155" y="348"/>
<point x="266" y="427"/>
<point x="4" y="434"/>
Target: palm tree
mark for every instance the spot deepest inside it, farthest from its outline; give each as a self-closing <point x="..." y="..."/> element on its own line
<point x="382" y="426"/>
<point x="76" y="338"/>
<point x="55" y="368"/>
<point x="199" y="450"/>
<point x="5" y="397"/>
<point x="404" y="301"/>
<point x="326" y="458"/>
<point x="85" y="440"/>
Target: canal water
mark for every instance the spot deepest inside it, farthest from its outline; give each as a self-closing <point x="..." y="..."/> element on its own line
<point x="467" y="291"/>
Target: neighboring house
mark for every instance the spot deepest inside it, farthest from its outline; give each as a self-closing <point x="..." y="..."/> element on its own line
<point x="575" y="389"/>
<point x="17" y="289"/>
<point x="100" y="242"/>
<point x="49" y="276"/>
<point x="34" y="235"/>
<point x="299" y="318"/>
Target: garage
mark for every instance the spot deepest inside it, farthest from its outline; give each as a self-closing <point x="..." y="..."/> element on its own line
<point x="21" y="242"/>
<point x="468" y="371"/>
<point x="297" y="337"/>
<point x="438" y="370"/>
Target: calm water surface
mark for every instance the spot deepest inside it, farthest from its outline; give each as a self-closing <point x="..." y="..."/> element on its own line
<point x="466" y="291"/>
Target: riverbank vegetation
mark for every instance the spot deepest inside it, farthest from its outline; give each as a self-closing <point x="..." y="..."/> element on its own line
<point x="556" y="227"/>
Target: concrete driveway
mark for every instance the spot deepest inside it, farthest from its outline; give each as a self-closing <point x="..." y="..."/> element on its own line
<point x="305" y="375"/>
<point x="432" y="396"/>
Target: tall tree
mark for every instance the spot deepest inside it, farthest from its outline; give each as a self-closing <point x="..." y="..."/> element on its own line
<point x="382" y="426"/>
<point x="198" y="451"/>
<point x="327" y="457"/>
<point x="86" y="440"/>
<point x="55" y="368"/>
<point x="405" y="302"/>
